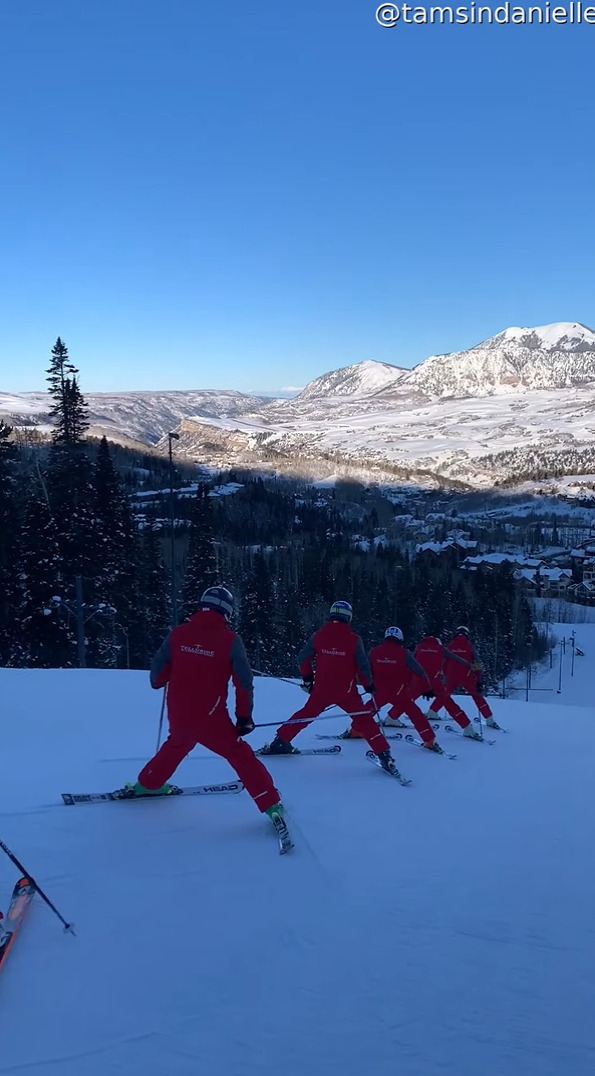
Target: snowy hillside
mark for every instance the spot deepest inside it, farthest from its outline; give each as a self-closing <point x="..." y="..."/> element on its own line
<point x="453" y="438"/>
<point x="362" y="379"/>
<point x="439" y="930"/>
<point x="525" y="396"/>
<point x="136" y="416"/>
<point x="553" y="356"/>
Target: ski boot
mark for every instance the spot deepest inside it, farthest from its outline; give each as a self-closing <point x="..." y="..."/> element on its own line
<point x="472" y="734"/>
<point x="277" y="817"/>
<point x="491" y="723"/>
<point x="392" y="723"/>
<point x="131" y="790"/>
<point x="278" y="747"/>
<point x="350" y="734"/>
<point x="434" y="746"/>
<point x="388" y="763"/>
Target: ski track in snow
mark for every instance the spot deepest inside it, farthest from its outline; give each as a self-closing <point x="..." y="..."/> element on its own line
<point x="442" y="929"/>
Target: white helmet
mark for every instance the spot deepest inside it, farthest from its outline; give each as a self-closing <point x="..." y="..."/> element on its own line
<point x="218" y="598"/>
<point x="394" y="633"/>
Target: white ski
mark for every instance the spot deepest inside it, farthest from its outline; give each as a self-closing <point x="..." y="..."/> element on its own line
<point x="459" y="732"/>
<point x="420" y="743"/>
<point x="303" y="751"/>
<point x="397" y="775"/>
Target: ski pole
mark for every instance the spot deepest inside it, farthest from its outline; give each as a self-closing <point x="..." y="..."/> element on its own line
<point x="25" y="873"/>
<point x="160" y="730"/>
<point x="269" y="676"/>
<point x="308" y="720"/>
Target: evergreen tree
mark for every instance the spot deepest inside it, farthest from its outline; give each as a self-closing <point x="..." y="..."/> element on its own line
<point x="45" y="637"/>
<point x="72" y="504"/>
<point x="9" y="535"/>
<point x="289" y="632"/>
<point x="257" y="616"/>
<point x="149" y="619"/>
<point x="79" y="422"/>
<point x="69" y="410"/>
<point x="202" y="569"/>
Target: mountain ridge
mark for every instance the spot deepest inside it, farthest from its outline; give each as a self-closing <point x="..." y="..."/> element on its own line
<point x="460" y="416"/>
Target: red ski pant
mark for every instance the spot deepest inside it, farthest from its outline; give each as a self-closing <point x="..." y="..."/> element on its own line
<point x="469" y="684"/>
<point x="216" y="732"/>
<point x="351" y="703"/>
<point x="402" y="703"/>
<point x="443" y="699"/>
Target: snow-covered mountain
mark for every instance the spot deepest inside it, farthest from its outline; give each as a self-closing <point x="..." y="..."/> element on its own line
<point x="472" y="416"/>
<point x="363" y="379"/>
<point x="550" y="357"/>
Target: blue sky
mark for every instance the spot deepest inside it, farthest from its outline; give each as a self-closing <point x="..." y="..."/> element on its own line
<point x="203" y="194"/>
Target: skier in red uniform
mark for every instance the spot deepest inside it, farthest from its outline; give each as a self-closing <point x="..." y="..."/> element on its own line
<point x="197" y="661"/>
<point x="331" y="664"/>
<point x="432" y="655"/>
<point x="457" y="676"/>
<point x="396" y="675"/>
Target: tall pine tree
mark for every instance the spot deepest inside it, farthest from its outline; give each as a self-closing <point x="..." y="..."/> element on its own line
<point x="112" y="588"/>
<point x="69" y="410"/>
<point x="45" y="636"/>
<point x="9" y="535"/>
<point x="151" y="618"/>
<point x="202" y="569"/>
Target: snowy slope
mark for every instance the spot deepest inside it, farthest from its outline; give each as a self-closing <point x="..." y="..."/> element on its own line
<point x="441" y="930"/>
<point x="564" y="681"/>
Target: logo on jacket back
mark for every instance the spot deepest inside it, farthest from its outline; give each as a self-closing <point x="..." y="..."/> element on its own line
<point x="198" y="650"/>
<point x="334" y="653"/>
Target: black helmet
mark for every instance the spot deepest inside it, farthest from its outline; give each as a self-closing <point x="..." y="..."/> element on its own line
<point x="462" y="630"/>
<point x="220" y="599"/>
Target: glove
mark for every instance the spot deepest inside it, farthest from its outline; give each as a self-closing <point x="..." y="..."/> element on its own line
<point x="244" y="726"/>
<point x="371" y="689"/>
<point x="307" y="684"/>
<point x="476" y="667"/>
<point x="429" y="695"/>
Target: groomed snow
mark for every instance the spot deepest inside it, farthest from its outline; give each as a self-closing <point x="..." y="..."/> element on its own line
<point x="441" y="929"/>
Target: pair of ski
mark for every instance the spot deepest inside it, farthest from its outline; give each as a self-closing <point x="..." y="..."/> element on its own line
<point x="335" y="751"/>
<point x="408" y="737"/>
<point x="72" y="799"/>
<point x="122" y="795"/>
<point x="459" y="733"/>
<point x="20" y="902"/>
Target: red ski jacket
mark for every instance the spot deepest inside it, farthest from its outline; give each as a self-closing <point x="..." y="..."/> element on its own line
<point x="197" y="660"/>
<point x="433" y="657"/>
<point x="394" y="668"/>
<point x="462" y="646"/>
<point x="430" y="654"/>
<point x="340" y="659"/>
<point x="461" y="649"/>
